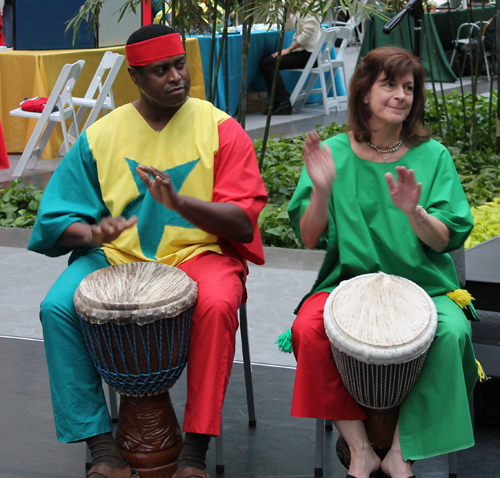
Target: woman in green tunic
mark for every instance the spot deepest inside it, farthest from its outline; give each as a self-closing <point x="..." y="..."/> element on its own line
<point x="368" y="221"/>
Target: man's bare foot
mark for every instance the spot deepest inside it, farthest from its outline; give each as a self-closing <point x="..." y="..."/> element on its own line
<point x="394" y="465"/>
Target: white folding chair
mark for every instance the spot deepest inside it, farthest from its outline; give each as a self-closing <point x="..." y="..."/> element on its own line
<point x="320" y="62"/>
<point x="104" y="100"/>
<point x="344" y="33"/>
<point x="61" y="97"/>
<point x="354" y="21"/>
<point x="112" y="397"/>
<point x="466" y="34"/>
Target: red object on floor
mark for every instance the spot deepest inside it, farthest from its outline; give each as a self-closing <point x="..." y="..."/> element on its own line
<point x="4" y="159"/>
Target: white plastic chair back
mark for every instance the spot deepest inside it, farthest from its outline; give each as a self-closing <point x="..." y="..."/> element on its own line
<point x="318" y="64"/>
<point x="345" y="34"/>
<point x="61" y="95"/>
<point x="110" y="63"/>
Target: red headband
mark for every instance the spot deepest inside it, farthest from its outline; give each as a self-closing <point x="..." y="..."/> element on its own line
<point x="154" y="49"/>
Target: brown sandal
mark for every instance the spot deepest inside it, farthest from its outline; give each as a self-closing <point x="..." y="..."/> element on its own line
<point x="105" y="471"/>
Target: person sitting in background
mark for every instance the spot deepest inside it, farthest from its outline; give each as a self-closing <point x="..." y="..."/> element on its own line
<point x="307" y="33"/>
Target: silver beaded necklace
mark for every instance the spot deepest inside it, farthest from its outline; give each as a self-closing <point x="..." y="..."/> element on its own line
<point x="390" y="149"/>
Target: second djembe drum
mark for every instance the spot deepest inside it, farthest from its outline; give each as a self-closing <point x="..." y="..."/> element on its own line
<point x="135" y="320"/>
<point x="380" y="328"/>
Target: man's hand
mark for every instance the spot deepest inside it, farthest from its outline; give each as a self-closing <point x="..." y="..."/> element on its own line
<point x="81" y="234"/>
<point x="160" y="187"/>
<point x="108" y="229"/>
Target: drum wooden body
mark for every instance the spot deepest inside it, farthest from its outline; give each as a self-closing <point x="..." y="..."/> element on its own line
<point x="135" y="320"/>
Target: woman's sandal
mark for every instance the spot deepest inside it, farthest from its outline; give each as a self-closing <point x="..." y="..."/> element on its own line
<point x="105" y="471"/>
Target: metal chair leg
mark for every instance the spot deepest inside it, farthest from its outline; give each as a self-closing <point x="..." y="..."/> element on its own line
<point x="113" y="403"/>
<point x="452" y="464"/>
<point x="320" y="437"/>
<point x="247" y="366"/>
<point x="219" y="452"/>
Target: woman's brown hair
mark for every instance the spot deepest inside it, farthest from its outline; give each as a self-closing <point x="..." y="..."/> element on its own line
<point x="394" y="62"/>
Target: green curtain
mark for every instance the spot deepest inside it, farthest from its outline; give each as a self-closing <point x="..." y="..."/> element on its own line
<point x="403" y="36"/>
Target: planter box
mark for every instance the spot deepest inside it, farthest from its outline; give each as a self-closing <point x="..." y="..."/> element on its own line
<point x="14" y="237"/>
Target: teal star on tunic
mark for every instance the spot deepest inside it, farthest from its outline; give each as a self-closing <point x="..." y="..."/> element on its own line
<point x="153" y="216"/>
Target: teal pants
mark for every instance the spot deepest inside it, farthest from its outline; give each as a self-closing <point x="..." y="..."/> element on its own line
<point x="63" y="341"/>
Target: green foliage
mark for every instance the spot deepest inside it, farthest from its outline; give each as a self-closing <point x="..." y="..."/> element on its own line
<point x="487" y="223"/>
<point x="479" y="174"/>
<point x="281" y="171"/>
<point x="458" y="130"/>
<point x="19" y="205"/>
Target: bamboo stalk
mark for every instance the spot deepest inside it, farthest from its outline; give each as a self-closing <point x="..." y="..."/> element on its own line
<point x="273" y="90"/>
<point x="246" y="31"/>
<point x="212" y="52"/>
<point x="226" y="54"/>
<point x="434" y="93"/>
<point x="440" y="79"/>
<point x="217" y="66"/>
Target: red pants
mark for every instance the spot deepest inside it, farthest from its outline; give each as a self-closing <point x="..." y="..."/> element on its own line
<point x="318" y="391"/>
<point x="221" y="290"/>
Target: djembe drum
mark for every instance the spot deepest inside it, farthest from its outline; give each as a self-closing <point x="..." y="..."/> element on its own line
<point x="380" y="328"/>
<point x="135" y="320"/>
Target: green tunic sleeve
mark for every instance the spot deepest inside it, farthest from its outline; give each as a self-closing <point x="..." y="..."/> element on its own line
<point x="72" y="195"/>
<point x="446" y="200"/>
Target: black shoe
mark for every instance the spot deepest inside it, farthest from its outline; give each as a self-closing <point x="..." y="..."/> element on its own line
<point x="281" y="108"/>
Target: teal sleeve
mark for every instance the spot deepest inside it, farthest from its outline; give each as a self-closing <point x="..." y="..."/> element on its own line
<point x="298" y="205"/>
<point x="72" y="195"/>
<point x="448" y="203"/>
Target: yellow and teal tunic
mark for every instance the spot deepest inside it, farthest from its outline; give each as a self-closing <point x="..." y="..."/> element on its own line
<point x="201" y="151"/>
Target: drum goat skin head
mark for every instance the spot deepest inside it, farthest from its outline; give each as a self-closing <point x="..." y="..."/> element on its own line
<point x="380" y="318"/>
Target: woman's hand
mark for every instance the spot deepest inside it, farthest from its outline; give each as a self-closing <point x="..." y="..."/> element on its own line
<point x="160" y="187"/>
<point x="319" y="165"/>
<point x="321" y="170"/>
<point x="406" y="193"/>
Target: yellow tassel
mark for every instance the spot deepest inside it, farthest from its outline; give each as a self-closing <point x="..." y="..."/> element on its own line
<point x="461" y="297"/>
<point x="481" y="373"/>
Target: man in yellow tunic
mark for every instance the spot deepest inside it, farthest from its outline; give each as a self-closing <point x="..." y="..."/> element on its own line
<point x="166" y="178"/>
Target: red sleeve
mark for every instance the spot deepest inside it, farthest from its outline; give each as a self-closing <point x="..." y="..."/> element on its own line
<point x="237" y="180"/>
